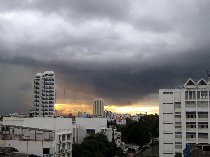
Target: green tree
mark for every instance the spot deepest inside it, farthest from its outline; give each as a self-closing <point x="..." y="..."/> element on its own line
<point x="140" y="132"/>
<point x="94" y="146"/>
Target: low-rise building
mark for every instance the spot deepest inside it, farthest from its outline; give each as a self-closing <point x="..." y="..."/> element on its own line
<point x="113" y="134"/>
<point x="84" y="127"/>
<point x="39" y="136"/>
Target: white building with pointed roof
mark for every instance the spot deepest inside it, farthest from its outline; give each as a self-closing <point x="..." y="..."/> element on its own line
<point x="184" y="117"/>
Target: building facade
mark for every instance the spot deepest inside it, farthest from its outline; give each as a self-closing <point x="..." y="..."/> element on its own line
<point x="98" y="107"/>
<point x="46" y="137"/>
<point x="84" y="127"/>
<point x="44" y="94"/>
<point x="184" y="117"/>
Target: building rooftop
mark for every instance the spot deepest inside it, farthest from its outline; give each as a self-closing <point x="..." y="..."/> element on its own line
<point x="196" y="84"/>
<point x="7" y="150"/>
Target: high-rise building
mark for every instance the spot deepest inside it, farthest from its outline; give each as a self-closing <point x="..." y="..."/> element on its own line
<point x="44" y="94"/>
<point x="98" y="107"/>
<point x="184" y="118"/>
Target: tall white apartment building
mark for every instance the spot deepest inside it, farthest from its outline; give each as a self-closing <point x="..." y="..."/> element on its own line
<point x="44" y="94"/>
<point x="184" y="117"/>
<point x="98" y="107"/>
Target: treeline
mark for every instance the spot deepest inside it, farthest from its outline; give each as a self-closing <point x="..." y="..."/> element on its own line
<point x="96" y="146"/>
<point x="141" y="132"/>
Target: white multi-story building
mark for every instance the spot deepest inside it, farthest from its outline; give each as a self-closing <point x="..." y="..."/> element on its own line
<point x="46" y="137"/>
<point x="113" y="134"/>
<point x="87" y="126"/>
<point x="98" y="107"/>
<point x="184" y="117"/>
<point x="84" y="127"/>
<point x="44" y="94"/>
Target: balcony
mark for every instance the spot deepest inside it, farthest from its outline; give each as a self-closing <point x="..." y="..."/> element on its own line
<point x="178" y="138"/>
<point x="203" y="130"/>
<point x="190" y="137"/>
<point x="202" y="104"/>
<point x="191" y="129"/>
<point x="190" y="119"/>
<point x="191" y="140"/>
<point x="177" y="119"/>
<point x="203" y="140"/>
<point x="178" y="129"/>
<point x="177" y="110"/>
<point x="203" y="116"/>
<point x="203" y="127"/>
<point x="203" y="137"/>
<point x="178" y="147"/>
<point x="203" y="119"/>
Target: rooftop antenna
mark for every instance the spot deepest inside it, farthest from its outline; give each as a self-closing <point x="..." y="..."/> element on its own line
<point x="64" y="94"/>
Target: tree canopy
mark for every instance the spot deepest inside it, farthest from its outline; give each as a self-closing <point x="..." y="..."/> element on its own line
<point x="94" y="146"/>
<point x="140" y="132"/>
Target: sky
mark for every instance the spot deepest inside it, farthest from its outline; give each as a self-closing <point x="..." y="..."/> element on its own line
<point x="123" y="51"/>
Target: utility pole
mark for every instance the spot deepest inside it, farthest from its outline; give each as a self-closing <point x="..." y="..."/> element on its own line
<point x="64" y="94"/>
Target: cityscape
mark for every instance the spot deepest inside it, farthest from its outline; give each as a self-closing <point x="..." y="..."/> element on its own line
<point x="100" y="78"/>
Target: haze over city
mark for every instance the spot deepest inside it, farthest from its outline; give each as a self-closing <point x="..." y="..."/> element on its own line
<point x="122" y="51"/>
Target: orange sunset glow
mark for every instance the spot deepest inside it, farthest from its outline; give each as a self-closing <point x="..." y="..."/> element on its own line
<point x="65" y="109"/>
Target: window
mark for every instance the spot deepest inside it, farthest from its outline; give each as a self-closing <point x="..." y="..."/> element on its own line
<point x="193" y="126"/>
<point x="90" y="131"/>
<point x="63" y="137"/>
<point x="168" y="133"/>
<point x="178" y="155"/>
<point x="167" y="153"/>
<point x="198" y="94"/>
<point x="190" y="94"/>
<point x="167" y="92"/>
<point x="177" y="104"/>
<point x="186" y="95"/>
<point x="68" y="136"/>
<point x="46" y="150"/>
<point x="194" y="95"/>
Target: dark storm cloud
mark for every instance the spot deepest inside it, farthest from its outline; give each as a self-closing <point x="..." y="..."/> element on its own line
<point x="25" y="86"/>
<point x="75" y="9"/>
<point x="122" y="51"/>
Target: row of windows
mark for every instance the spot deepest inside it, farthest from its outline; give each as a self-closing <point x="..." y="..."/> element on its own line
<point x="168" y="133"/>
<point x="167" y="153"/>
<point x="200" y="94"/>
<point x="167" y="92"/>
<point x="167" y="123"/>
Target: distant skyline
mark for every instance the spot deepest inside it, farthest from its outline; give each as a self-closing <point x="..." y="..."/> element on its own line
<point x="122" y="51"/>
<point x="66" y="109"/>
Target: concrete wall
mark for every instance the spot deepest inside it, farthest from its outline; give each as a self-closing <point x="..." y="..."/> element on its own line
<point x="30" y="147"/>
<point x="90" y="123"/>
<point x="41" y="123"/>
